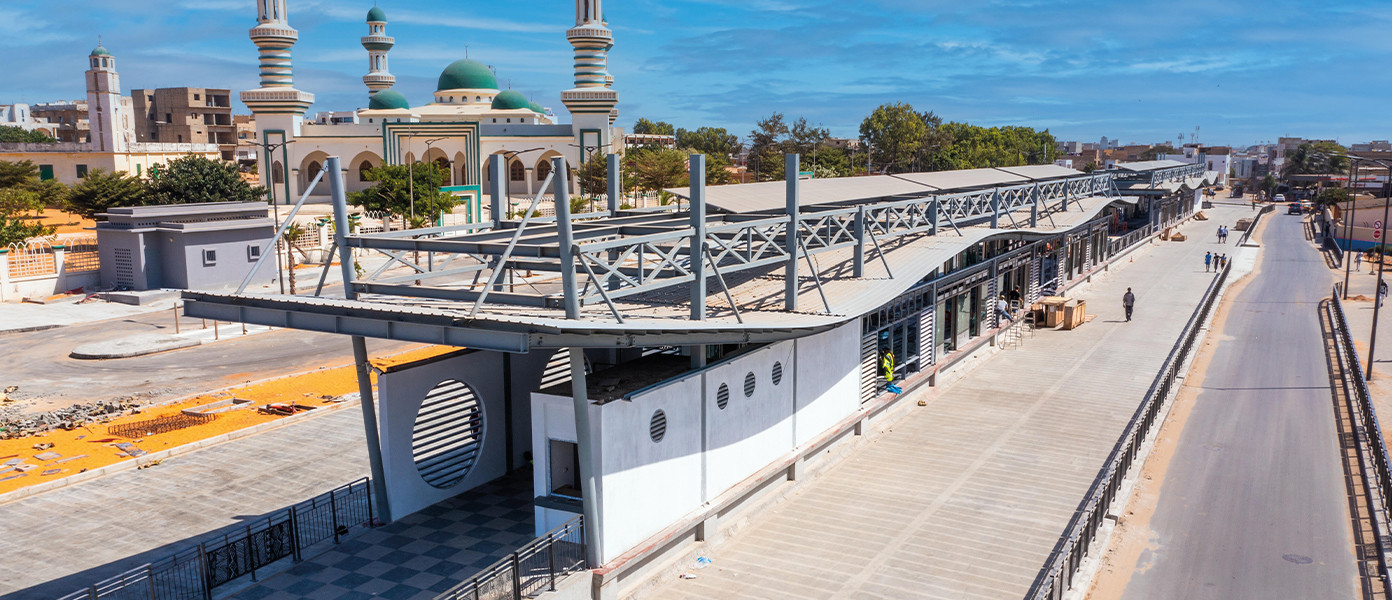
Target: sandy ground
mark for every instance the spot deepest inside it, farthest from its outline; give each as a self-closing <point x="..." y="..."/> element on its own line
<point x="1133" y="536"/>
<point x="93" y="446"/>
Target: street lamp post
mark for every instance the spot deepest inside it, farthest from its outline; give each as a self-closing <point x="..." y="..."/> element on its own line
<point x="428" y="143"/>
<point x="1348" y="224"/>
<point x="506" y="184"/>
<point x="275" y="208"/>
<point x="1382" y="265"/>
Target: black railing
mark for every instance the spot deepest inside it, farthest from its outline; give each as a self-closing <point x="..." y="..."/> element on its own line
<point x="531" y="570"/>
<point x="1056" y="577"/>
<point x="1368" y="435"/>
<point x="193" y="573"/>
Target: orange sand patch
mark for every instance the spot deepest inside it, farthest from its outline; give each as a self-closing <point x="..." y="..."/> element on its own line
<point x="308" y="389"/>
<point x="66" y="223"/>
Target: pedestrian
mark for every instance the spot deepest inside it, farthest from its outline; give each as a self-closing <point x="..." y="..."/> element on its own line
<point x="1225" y="234"/>
<point x="1207" y="260"/>
<point x="1003" y="309"/>
<point x="1358" y="262"/>
<point x="1220" y="234"/>
<point x="1223" y="261"/>
<point x="1382" y="291"/>
<point x="1128" y="302"/>
<point x="1015" y="295"/>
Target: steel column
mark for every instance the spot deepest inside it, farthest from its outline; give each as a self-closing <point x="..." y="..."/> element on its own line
<point x="790" y="270"/>
<point x="933" y="216"/>
<point x="565" y="238"/>
<point x="995" y="209"/>
<point x="1034" y="206"/>
<point x="613" y="181"/>
<point x="698" y="236"/>
<point x="860" y="242"/>
<point x="369" y="409"/>
<point x="496" y="203"/>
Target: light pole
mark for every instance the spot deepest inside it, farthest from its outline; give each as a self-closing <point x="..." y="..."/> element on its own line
<point x="506" y="184"/>
<point x="1381" y="233"/>
<point x="275" y="208"/>
<point x="428" y="143"/>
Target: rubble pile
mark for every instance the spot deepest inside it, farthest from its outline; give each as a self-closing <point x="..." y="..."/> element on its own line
<point x="16" y="424"/>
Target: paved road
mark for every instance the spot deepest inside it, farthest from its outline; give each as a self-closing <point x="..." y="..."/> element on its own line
<point x="965" y="498"/>
<point x="49" y="379"/>
<point x="1253" y="504"/>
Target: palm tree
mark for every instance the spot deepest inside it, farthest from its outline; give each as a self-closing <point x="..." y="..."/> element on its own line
<point x="290" y="235"/>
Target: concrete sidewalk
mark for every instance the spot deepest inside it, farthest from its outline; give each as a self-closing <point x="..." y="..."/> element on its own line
<point x="966" y="497"/>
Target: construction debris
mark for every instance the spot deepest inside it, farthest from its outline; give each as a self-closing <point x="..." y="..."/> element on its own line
<point x="15" y="424"/>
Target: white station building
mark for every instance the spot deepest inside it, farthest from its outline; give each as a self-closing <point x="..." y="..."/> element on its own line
<point x="467" y="119"/>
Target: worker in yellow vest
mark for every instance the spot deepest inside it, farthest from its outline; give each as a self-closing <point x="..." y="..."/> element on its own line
<point x="887" y="366"/>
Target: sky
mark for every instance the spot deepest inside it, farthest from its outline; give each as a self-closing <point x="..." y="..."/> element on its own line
<point x="1239" y="72"/>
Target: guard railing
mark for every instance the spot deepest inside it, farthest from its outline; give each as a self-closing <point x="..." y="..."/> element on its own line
<point x="531" y="570"/>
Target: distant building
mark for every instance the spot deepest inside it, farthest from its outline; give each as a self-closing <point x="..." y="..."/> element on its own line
<point x="337" y="117"/>
<point x="1070" y="147"/>
<point x="21" y="116"/>
<point x="634" y="140"/>
<point x="186" y="114"/>
<point x="1374" y="146"/>
<point x="104" y="139"/>
<point x="842" y="143"/>
<point x="248" y="144"/>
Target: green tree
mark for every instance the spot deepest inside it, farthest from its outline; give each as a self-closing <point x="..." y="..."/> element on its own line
<point x="1315" y="158"/>
<point x="1269" y="185"/>
<point x="645" y="126"/>
<point x="391" y="191"/>
<point x="192" y="179"/>
<point x="766" y="147"/>
<point x="1332" y="197"/>
<point x="10" y="134"/>
<point x="899" y="138"/>
<point x="660" y="169"/>
<point x="14" y="174"/>
<point x="1090" y="167"/>
<point x="14" y="230"/>
<point x="710" y="141"/>
<point x="828" y="161"/>
<point x="292" y="232"/>
<point x="101" y="190"/>
<point x="594" y="175"/>
<point x="16" y="201"/>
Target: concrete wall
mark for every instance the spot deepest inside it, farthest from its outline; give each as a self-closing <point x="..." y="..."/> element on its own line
<point x="400" y="394"/>
<point x="646" y="486"/>
<point x="182" y="256"/>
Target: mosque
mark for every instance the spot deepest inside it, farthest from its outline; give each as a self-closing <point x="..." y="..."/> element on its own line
<point x="468" y="118"/>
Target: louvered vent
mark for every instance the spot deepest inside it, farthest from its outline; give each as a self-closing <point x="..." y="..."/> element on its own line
<point x="447" y="435"/>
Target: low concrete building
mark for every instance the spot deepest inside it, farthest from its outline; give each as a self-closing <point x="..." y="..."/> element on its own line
<point x="207" y="246"/>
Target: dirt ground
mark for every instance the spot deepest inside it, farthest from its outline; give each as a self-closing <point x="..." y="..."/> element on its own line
<point x="93" y="446"/>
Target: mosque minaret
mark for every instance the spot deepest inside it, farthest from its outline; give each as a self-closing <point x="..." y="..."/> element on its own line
<point x="591" y="102"/>
<point x="276" y="102"/>
<point x="377" y="43"/>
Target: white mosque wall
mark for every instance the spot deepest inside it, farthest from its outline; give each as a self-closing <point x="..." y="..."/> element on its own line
<point x="399" y="397"/>
<point x="647" y="486"/>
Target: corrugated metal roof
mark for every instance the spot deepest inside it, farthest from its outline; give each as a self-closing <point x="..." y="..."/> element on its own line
<point x="1150" y="165"/>
<point x="771" y="195"/>
<point x="964" y="179"/>
<point x="1041" y="171"/>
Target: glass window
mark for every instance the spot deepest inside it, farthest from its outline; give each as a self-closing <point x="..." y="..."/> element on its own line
<point x="81" y="171"/>
<point x="45" y="172"/>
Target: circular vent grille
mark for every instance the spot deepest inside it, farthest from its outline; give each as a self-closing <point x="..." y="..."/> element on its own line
<point x="447" y="433"/>
<point x="748" y="385"/>
<point x="722" y="396"/>
<point x="657" y="428"/>
<point x="777" y="373"/>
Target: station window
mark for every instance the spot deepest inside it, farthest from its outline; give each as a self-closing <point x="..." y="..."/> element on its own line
<point x="81" y="171"/>
<point x="45" y="172"/>
<point x="565" y="469"/>
<point x="253" y="252"/>
<point x="209" y="258"/>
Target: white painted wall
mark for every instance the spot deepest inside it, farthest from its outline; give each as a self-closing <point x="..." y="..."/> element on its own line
<point x="646" y="486"/>
<point x="399" y="396"/>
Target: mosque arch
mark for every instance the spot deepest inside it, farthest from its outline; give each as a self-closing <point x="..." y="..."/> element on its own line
<point x="357" y="168"/>
<point x="310" y="166"/>
<point x="517" y="172"/>
<point x="277" y="173"/>
<point x="462" y="175"/>
<point x="445" y="170"/>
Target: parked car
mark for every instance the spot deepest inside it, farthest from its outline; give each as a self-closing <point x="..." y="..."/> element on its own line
<point x="1280" y="198"/>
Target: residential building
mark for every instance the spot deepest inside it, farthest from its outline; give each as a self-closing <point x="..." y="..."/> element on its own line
<point x="1373" y="146"/>
<point x="186" y="115"/>
<point x="248" y="143"/>
<point x="69" y="120"/>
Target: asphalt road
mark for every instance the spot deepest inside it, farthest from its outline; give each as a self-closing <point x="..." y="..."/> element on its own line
<point x="1253" y="504"/>
<point x="38" y="361"/>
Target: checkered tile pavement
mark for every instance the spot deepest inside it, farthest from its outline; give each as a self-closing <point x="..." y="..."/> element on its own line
<point x="419" y="556"/>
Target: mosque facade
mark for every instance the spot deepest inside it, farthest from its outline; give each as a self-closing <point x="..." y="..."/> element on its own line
<point x="468" y="118"/>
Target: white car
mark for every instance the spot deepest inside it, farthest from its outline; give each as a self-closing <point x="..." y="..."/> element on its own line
<point x="1280" y="197"/>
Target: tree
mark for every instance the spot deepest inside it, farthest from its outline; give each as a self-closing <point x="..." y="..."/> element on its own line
<point x="710" y="141"/>
<point x="1332" y="197"/>
<point x="102" y="190"/>
<point x="658" y="170"/>
<point x="1090" y="167"/>
<point x="1155" y="151"/>
<point x="830" y="161"/>
<point x="1268" y="185"/>
<point x="10" y="134"/>
<point x="765" y="148"/>
<point x="1315" y="158"/>
<point x="391" y="192"/>
<point x="17" y="231"/>
<point x="14" y="174"/>
<point x="191" y="179"/>
<point x="594" y="175"/>
<point x="644" y="126"/>
<point x="292" y="232"/>
<point x="899" y="137"/>
<point x="16" y="201"/>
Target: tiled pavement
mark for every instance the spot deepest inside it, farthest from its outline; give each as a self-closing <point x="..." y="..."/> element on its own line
<point x="419" y="556"/>
<point x="965" y="498"/>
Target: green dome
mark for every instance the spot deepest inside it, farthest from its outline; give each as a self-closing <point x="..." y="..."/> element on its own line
<point x="99" y="51"/>
<point x="510" y="99"/>
<point x="537" y="108"/>
<point x="376" y="15"/>
<point x="387" y="99"/>
<point x="467" y="74"/>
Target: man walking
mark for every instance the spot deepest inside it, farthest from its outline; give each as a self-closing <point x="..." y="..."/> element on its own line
<point x="1128" y="302"/>
<point x="1358" y="262"/>
<point x="1207" y="261"/>
<point x="1382" y="291"/>
<point x="1220" y="234"/>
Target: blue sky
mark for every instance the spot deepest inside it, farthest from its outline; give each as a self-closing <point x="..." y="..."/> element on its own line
<point x="1243" y="71"/>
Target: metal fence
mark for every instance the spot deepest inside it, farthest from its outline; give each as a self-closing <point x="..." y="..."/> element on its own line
<point x="193" y="573"/>
<point x="531" y="570"/>
<point x="34" y="258"/>
<point x="1118" y="243"/>
<point x="81" y="255"/>
<point x="1368" y="434"/>
<point x="1056" y="577"/>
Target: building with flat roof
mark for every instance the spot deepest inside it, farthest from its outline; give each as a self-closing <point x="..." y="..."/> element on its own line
<point x="186" y="114"/>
